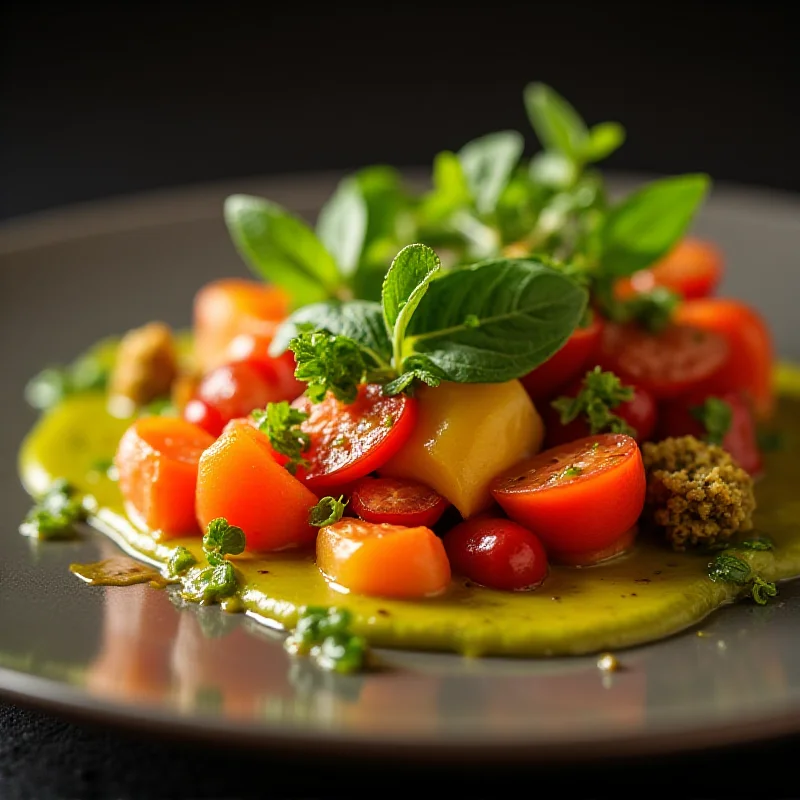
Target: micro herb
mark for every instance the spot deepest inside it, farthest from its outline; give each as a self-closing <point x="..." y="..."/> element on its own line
<point x="324" y="634"/>
<point x="282" y="425"/>
<point x="600" y="393"/>
<point x="180" y="560"/>
<point x="327" y="511"/>
<point x="716" y="417"/>
<point x="53" y="384"/>
<point x="653" y="310"/>
<point x="760" y="542"/>
<point x="216" y="581"/>
<point x="727" y="568"/>
<point x="55" y="514"/>
<point x="570" y="472"/>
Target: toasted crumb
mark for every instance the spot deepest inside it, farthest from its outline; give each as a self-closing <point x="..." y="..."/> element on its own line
<point x="696" y="492"/>
<point x="146" y="365"/>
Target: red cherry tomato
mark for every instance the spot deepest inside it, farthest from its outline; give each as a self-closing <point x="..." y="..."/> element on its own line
<point x="571" y="360"/>
<point x="397" y="502"/>
<point x="639" y="412"/>
<point x="740" y="441"/>
<point x="230" y="391"/>
<point x="666" y="364"/>
<point x="496" y="553"/>
<point x="692" y="269"/>
<point x="254" y="347"/>
<point x="751" y="359"/>
<point x="350" y="441"/>
<point x="581" y="499"/>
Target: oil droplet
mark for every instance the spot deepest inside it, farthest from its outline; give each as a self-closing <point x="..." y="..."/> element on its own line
<point x="608" y="662"/>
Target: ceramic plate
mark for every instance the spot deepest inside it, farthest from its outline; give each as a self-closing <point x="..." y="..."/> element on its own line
<point x="132" y="656"/>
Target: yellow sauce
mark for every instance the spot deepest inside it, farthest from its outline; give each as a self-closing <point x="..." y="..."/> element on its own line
<point x="646" y="595"/>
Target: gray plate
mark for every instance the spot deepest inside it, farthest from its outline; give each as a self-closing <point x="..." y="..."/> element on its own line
<point x="131" y="656"/>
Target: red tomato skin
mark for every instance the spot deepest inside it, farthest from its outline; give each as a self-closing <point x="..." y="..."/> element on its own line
<point x="740" y="441"/>
<point x="578" y="517"/>
<point x="640" y="413"/>
<point x="204" y="416"/>
<point x="254" y="348"/>
<point x="668" y="364"/>
<point x="571" y="360"/>
<point x="362" y="425"/>
<point x="497" y="553"/>
<point x="751" y="355"/>
<point x="397" y="502"/>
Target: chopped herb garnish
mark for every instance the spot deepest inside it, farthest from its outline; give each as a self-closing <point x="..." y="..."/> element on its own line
<point x="53" y="384"/>
<point x="180" y="560"/>
<point x="222" y="539"/>
<point x="652" y="310"/>
<point x="727" y="568"/>
<point x="761" y="542"/>
<point x="762" y="590"/>
<point x="55" y="514"/>
<point x="600" y="393"/>
<point x="570" y="472"/>
<point x="218" y="580"/>
<point x="281" y="423"/>
<point x="716" y="417"/>
<point x="388" y="421"/>
<point x="326" y="512"/>
<point x="324" y="634"/>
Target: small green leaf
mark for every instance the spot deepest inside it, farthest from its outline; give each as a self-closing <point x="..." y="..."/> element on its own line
<point x="50" y="386"/>
<point x="450" y="192"/>
<point x="488" y="163"/>
<point x="325" y="635"/>
<point x="653" y="310"/>
<point x="729" y="569"/>
<point x="281" y="249"/>
<point x="208" y="584"/>
<point x="180" y="560"/>
<point x="603" y="140"/>
<point x="326" y="512"/>
<point x="648" y="223"/>
<point x="762" y="590"/>
<point x="558" y="125"/>
<point x="715" y="416"/>
<point x="342" y="225"/>
<point x="525" y="312"/>
<point x="55" y="514"/>
<point x="553" y="170"/>
<point x="281" y="423"/>
<point x="760" y="542"/>
<point x="222" y="539"/>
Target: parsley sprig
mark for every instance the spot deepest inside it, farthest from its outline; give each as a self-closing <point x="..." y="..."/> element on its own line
<point x="282" y="424"/>
<point x="601" y="392"/>
<point x="327" y="511"/>
<point x="216" y="581"/>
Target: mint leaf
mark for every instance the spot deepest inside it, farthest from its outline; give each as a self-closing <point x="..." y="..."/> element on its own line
<point x="604" y="139"/>
<point x="281" y="249"/>
<point x="726" y="568"/>
<point x="648" y="223"/>
<point x="488" y="162"/>
<point x="406" y="282"/>
<point x="342" y="225"/>
<point x="450" y="192"/>
<point x="222" y="539"/>
<point x="493" y="321"/>
<point x="415" y="368"/>
<point x="360" y="320"/>
<point x="557" y="124"/>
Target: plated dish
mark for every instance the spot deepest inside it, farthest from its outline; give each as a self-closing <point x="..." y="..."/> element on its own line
<point x="503" y="417"/>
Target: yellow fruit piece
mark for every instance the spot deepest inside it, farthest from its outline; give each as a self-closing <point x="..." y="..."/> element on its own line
<point x="466" y="435"/>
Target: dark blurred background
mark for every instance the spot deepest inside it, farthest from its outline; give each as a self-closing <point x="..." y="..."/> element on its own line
<point x="100" y="99"/>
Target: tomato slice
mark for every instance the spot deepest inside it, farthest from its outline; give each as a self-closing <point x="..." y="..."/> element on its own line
<point x="665" y="364"/>
<point x="350" y="441"/>
<point x="496" y="553"/>
<point x="254" y="348"/>
<point x="397" y="502"/>
<point x="582" y="499"/>
<point x="571" y="360"/>
<point x="693" y="269"/>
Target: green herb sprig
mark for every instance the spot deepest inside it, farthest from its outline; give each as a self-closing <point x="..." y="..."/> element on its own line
<point x="281" y="423"/>
<point x="324" y="634"/>
<point x="56" y="513"/>
<point x="50" y="386"/>
<point x="716" y="416"/>
<point x="218" y="580"/>
<point x="728" y="568"/>
<point x="327" y="511"/>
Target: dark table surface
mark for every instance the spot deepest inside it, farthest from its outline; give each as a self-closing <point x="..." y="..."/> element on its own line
<point x="101" y="102"/>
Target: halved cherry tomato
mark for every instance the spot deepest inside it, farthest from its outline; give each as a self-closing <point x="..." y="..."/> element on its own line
<point x="254" y="347"/>
<point x="225" y="308"/>
<point x="240" y="480"/>
<point x="571" y="360"/>
<point x="350" y="441"/>
<point x="666" y="364"/>
<point x="157" y="460"/>
<point x="496" y="553"/>
<point x="692" y="269"/>
<point x="383" y="560"/>
<point x="751" y="358"/>
<point x="582" y="499"/>
<point x="230" y="391"/>
<point x="640" y="413"/>
<point x="740" y="441"/>
<point x="397" y="502"/>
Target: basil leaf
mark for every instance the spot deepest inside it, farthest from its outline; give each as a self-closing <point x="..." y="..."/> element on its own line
<point x="603" y="140"/>
<point x="360" y="320"/>
<point x="406" y="282"/>
<point x="281" y="249"/>
<point x="649" y="222"/>
<point x="450" y="189"/>
<point x="557" y="124"/>
<point x="494" y="321"/>
<point x="488" y="163"/>
<point x="342" y="225"/>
